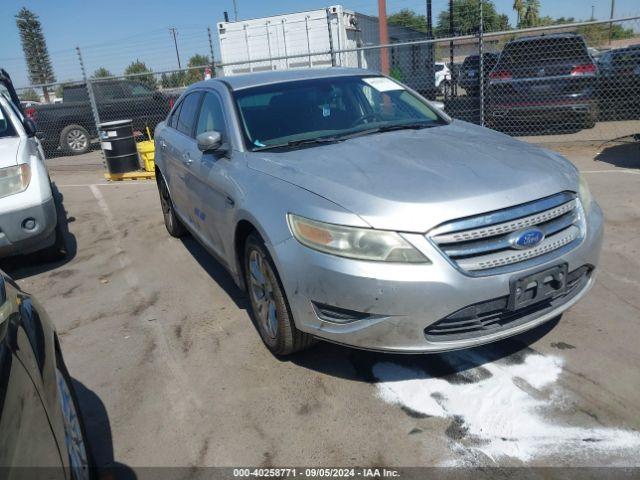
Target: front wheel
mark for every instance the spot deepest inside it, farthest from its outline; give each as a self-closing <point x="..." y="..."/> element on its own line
<point x="269" y="306"/>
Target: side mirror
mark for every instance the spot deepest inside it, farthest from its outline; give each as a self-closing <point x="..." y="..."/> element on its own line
<point x="209" y="141"/>
<point x="29" y="127"/>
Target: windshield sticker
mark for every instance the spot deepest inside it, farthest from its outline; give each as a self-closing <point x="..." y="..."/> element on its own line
<point x="326" y="110"/>
<point x="258" y="143"/>
<point x="382" y="84"/>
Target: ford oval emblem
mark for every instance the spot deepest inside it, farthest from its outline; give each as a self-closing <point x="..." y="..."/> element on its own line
<point x="528" y="238"/>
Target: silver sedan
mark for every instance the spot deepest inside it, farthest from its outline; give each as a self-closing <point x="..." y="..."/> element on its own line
<point x="352" y="210"/>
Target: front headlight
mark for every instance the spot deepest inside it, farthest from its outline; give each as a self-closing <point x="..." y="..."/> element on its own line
<point x="585" y="194"/>
<point x="14" y="179"/>
<point x="353" y="242"/>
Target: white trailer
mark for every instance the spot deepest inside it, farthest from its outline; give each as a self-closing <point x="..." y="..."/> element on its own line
<point x="293" y="40"/>
<point x="318" y="39"/>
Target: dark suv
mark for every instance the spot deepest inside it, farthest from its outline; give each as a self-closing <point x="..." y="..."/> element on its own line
<point x="469" y="75"/>
<point x="544" y="81"/>
<point x="619" y="83"/>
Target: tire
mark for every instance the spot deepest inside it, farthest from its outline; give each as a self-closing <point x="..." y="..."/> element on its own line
<point x="269" y="307"/>
<point x="75" y="140"/>
<point x="57" y="251"/>
<point x="171" y="221"/>
<point x="81" y="460"/>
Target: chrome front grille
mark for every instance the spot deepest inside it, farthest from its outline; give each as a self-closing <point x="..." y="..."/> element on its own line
<point x="482" y="244"/>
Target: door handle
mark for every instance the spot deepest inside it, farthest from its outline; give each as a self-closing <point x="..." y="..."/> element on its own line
<point x="163" y="144"/>
<point x="186" y="157"/>
<point x="229" y="201"/>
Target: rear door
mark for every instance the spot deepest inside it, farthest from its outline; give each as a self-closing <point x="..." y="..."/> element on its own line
<point x="177" y="143"/>
<point x="26" y="437"/>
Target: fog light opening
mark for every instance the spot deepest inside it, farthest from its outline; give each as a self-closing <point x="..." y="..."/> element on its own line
<point x="329" y="313"/>
<point x="29" y="224"/>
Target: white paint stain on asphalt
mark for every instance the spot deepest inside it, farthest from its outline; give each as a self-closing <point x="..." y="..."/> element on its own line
<point x="502" y="410"/>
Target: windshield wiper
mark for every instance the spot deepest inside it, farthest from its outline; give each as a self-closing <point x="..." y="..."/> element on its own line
<point x="389" y="128"/>
<point x="297" y="143"/>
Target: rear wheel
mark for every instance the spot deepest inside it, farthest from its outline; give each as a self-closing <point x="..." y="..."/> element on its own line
<point x="171" y="221"/>
<point x="269" y="306"/>
<point x="75" y="140"/>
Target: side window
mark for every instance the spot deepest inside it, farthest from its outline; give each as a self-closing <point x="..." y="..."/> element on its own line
<point x="6" y="128"/>
<point x="173" y="120"/>
<point x="188" y="112"/>
<point x="211" y="117"/>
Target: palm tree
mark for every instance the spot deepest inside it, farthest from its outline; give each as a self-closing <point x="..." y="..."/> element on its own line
<point x="532" y="15"/>
<point x="520" y="8"/>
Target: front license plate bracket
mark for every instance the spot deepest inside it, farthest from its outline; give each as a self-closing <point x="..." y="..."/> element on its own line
<point x="536" y="287"/>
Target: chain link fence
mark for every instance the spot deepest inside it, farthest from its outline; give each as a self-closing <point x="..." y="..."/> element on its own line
<point x="563" y="83"/>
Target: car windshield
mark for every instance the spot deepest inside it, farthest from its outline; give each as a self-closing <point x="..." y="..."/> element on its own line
<point x="335" y="108"/>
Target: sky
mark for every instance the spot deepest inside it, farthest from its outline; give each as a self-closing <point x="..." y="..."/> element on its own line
<point x="113" y="33"/>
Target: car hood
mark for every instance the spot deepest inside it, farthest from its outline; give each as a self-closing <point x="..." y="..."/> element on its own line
<point x="9" y="151"/>
<point x="413" y="180"/>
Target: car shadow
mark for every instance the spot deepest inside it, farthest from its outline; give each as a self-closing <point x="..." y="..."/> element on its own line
<point x="22" y="266"/>
<point x="358" y="365"/>
<point x="624" y="155"/>
<point x="98" y="428"/>
<point x="216" y="271"/>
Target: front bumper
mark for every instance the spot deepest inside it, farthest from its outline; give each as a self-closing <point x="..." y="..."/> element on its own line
<point x="15" y="239"/>
<point x="402" y="300"/>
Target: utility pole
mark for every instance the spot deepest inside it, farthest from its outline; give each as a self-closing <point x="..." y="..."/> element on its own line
<point x="613" y="8"/>
<point x="175" y="42"/>
<point x="454" y="79"/>
<point x="235" y="11"/>
<point x="383" y="36"/>
<point x="481" y="59"/>
<point x="429" y="20"/>
<point x="213" y="63"/>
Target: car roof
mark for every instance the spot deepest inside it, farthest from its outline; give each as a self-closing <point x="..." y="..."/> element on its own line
<point x="248" y="80"/>
<point x="560" y="36"/>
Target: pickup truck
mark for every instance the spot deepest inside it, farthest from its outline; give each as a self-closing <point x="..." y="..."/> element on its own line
<point x="70" y="125"/>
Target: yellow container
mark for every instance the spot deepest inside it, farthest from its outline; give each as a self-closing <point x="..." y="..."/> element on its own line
<point x="147" y="152"/>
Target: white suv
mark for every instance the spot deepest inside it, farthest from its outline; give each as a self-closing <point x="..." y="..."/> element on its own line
<point x="443" y="76"/>
<point x="28" y="216"/>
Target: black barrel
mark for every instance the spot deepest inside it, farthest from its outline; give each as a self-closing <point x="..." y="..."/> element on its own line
<point x="119" y="146"/>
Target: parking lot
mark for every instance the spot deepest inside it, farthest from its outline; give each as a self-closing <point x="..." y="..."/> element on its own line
<point x="171" y="371"/>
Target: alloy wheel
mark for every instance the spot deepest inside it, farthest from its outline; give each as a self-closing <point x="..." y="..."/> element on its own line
<point x="73" y="437"/>
<point x="261" y="289"/>
<point x="77" y="140"/>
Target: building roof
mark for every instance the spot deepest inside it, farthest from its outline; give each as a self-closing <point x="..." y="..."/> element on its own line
<point x="238" y="82"/>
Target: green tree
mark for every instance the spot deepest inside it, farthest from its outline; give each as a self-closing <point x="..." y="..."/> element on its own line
<point x="101" y="73"/>
<point x="598" y="35"/>
<point x="196" y="74"/>
<point x="137" y="68"/>
<point x="532" y="14"/>
<point x="29" y="95"/>
<point x="520" y="7"/>
<point x="466" y="16"/>
<point x="408" y="18"/>
<point x="35" y="49"/>
<point x="172" y="80"/>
